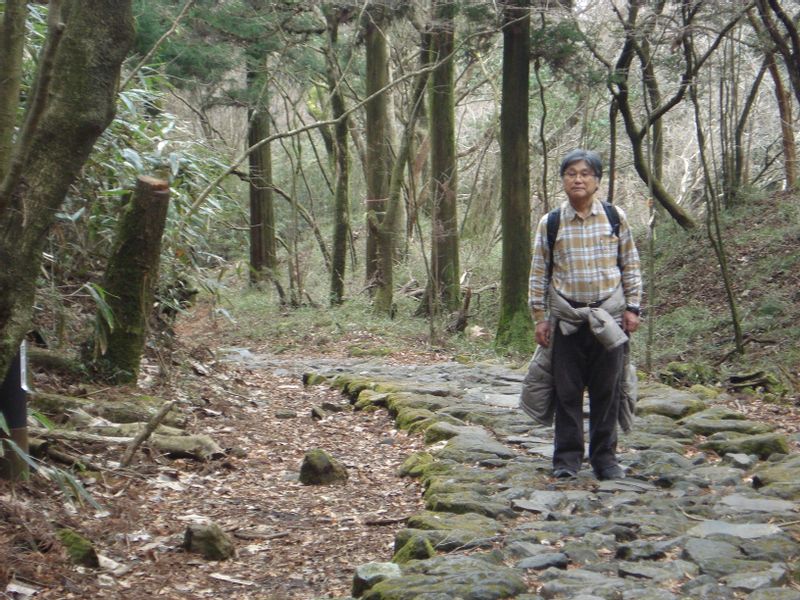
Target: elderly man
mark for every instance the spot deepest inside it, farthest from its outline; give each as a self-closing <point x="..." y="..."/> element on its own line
<point x="590" y="272"/>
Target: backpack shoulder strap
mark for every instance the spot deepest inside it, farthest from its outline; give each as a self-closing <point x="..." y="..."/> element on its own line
<point x="613" y="216"/>
<point x="553" y="222"/>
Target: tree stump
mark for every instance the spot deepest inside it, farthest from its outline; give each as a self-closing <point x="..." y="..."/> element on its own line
<point x="130" y="279"/>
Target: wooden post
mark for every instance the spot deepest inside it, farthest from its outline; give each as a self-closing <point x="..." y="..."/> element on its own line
<point x="131" y="275"/>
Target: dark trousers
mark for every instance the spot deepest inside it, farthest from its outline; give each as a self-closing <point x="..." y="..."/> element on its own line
<point x="580" y="362"/>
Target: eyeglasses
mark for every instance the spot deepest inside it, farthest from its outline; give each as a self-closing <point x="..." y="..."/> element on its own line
<point x="582" y="174"/>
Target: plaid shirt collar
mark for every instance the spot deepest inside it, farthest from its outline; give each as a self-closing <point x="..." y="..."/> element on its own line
<point x="570" y="213"/>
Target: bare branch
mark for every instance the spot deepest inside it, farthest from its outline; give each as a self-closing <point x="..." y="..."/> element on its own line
<point x="204" y="194"/>
<point x="145" y="433"/>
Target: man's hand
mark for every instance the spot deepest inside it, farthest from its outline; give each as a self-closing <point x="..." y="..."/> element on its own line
<point x="543" y="333"/>
<point x="630" y="322"/>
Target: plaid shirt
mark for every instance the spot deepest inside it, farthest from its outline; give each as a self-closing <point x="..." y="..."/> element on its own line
<point x="585" y="267"/>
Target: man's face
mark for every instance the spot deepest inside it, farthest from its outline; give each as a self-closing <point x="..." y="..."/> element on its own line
<point x="580" y="182"/>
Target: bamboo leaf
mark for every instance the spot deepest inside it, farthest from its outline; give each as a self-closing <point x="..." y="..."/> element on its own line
<point x="132" y="158"/>
<point x="27" y="458"/>
<point x="98" y="294"/>
<point x="43" y="419"/>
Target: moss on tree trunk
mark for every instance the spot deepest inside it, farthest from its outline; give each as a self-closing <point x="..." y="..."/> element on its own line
<point x="80" y="104"/>
<point x="341" y="211"/>
<point x="131" y="276"/>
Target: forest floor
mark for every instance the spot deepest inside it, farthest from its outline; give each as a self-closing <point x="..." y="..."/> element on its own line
<point x="293" y="541"/>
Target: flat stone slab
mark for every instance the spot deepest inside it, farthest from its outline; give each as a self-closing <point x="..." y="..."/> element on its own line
<point x="705" y="426"/>
<point x="749" y="582"/>
<point x="740" y="502"/>
<point x="625" y="485"/>
<point x="775" y="593"/>
<point x="547" y="560"/>
<point x="451" y="577"/>
<point x="739" y="530"/>
<point x="544" y="450"/>
<point x="504" y="400"/>
<point x="658" y="572"/>
<point x="478" y="442"/>
<point x="541" y="501"/>
<point x="670" y="403"/>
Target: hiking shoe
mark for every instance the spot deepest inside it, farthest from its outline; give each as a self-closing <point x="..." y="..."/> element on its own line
<point x="612" y="472"/>
<point x="564" y="473"/>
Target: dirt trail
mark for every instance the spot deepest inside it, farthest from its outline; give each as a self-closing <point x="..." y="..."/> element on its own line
<point x="293" y="541"/>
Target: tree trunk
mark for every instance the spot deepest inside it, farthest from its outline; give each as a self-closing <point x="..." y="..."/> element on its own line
<point x="443" y="284"/>
<point x="515" y="328"/>
<point x="79" y="104"/>
<point x="787" y="132"/>
<point x="388" y="229"/>
<point x="741" y="162"/>
<point x="12" y="43"/>
<point x="786" y="38"/>
<point x="131" y="277"/>
<point x="262" y="212"/>
<point x="378" y="126"/>
<point x="341" y="203"/>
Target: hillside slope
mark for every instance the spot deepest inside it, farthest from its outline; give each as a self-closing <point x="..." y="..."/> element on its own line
<point x="690" y="312"/>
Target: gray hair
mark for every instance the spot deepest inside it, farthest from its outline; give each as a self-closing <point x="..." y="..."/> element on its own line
<point x="591" y="158"/>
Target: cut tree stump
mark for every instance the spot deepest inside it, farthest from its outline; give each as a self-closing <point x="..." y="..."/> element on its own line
<point x="130" y="280"/>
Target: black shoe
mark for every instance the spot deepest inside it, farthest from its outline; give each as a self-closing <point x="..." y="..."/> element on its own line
<point x="564" y="473"/>
<point x="612" y="472"/>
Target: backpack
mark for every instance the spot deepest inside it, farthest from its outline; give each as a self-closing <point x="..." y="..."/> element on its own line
<point x="554" y="220"/>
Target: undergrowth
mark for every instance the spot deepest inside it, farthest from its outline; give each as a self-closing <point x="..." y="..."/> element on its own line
<point x="692" y="317"/>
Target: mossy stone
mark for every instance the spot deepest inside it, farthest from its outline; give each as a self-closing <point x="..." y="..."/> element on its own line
<point x="367" y="575"/>
<point x="406" y="417"/>
<point x="476" y="576"/>
<point x="311" y="379"/>
<point x="356" y="385"/>
<point x="763" y="445"/>
<point x="479" y="525"/>
<point x="687" y="373"/>
<point x="416" y="548"/>
<point x="704" y="391"/>
<point x="80" y="550"/>
<point x="416" y="464"/>
<point x="368" y="397"/>
<point x="703" y="426"/>
<point x="320" y="468"/>
<point x="209" y="540"/>
<point x="399" y="400"/>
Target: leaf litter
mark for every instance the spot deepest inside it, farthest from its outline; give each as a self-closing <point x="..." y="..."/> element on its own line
<point x="293" y="541"/>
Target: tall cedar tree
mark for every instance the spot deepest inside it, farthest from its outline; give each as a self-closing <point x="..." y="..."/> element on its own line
<point x="378" y="130"/>
<point x="515" y="328"/>
<point x="443" y="287"/>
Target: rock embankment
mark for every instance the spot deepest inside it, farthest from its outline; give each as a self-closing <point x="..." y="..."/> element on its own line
<point x="709" y="509"/>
